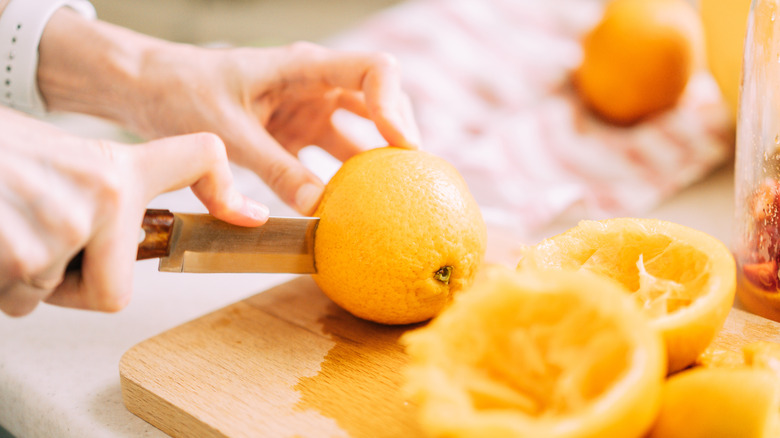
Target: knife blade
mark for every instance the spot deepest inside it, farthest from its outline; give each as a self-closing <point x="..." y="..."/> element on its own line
<point x="187" y="242"/>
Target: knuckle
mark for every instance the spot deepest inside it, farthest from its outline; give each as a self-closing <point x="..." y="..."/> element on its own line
<point x="110" y="189"/>
<point x="14" y="266"/>
<point x="277" y="175"/>
<point x="384" y="60"/>
<point x="108" y="179"/>
<point x="75" y="231"/>
<point x="305" y="48"/>
<point x="108" y="150"/>
<point x="70" y="226"/>
<point x="210" y="149"/>
<point x="60" y="220"/>
<point x="10" y="262"/>
<point x="26" y="262"/>
<point x="211" y="146"/>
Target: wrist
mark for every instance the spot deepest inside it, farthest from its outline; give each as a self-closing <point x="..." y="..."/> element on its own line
<point x="21" y="27"/>
<point x="91" y="67"/>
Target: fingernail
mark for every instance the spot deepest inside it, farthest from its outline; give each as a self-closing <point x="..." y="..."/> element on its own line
<point x="257" y="211"/>
<point x="307" y="197"/>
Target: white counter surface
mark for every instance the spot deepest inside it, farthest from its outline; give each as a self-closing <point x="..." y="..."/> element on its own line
<point x="59" y="368"/>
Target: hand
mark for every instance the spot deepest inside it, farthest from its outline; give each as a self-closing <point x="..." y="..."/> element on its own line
<point x="60" y="193"/>
<point x="266" y="104"/>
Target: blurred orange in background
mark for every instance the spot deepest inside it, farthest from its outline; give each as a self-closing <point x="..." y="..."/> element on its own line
<point x="637" y="60"/>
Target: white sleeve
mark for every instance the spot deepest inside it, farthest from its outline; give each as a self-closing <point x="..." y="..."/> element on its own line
<point x="21" y="27"/>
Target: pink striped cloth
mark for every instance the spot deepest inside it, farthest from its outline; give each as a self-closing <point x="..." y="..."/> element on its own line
<point x="490" y="84"/>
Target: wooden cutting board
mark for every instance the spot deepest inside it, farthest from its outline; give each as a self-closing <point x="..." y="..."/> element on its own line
<point x="288" y="362"/>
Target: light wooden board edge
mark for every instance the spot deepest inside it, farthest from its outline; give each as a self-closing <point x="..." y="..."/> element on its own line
<point x="160" y="413"/>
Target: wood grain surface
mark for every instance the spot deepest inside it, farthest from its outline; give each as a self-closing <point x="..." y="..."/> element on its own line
<point x="288" y="362"/>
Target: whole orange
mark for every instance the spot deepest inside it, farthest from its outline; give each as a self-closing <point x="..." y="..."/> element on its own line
<point x="399" y="235"/>
<point x="637" y="60"/>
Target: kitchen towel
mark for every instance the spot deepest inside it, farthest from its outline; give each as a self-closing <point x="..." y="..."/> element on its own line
<point x="491" y="89"/>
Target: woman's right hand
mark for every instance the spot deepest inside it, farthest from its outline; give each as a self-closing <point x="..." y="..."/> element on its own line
<point x="60" y="193"/>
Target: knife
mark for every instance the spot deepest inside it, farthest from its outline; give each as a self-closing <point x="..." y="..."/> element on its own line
<point x="186" y="242"/>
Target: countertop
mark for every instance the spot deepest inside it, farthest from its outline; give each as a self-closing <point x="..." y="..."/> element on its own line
<point x="59" y="367"/>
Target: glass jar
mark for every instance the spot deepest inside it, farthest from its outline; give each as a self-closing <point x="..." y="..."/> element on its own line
<point x="757" y="172"/>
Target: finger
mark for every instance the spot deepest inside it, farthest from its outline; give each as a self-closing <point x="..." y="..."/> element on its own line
<point x="354" y="102"/>
<point x="198" y="161"/>
<point x="377" y="76"/>
<point x="27" y="262"/>
<point x="285" y="175"/>
<point x="410" y="121"/>
<point x="339" y="145"/>
<point x="390" y="108"/>
<point x="23" y="250"/>
<point x="297" y="126"/>
<point x="105" y="282"/>
<point x="20" y="296"/>
<point x="19" y="299"/>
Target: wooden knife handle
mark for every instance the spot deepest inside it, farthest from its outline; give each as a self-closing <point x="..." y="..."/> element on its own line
<point x="158" y="228"/>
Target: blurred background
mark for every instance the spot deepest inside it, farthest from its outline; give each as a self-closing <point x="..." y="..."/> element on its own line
<point x="490" y="83"/>
<point x="241" y="22"/>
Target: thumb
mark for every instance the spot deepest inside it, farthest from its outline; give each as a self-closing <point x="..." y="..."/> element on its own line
<point x="296" y="185"/>
<point x="198" y="161"/>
